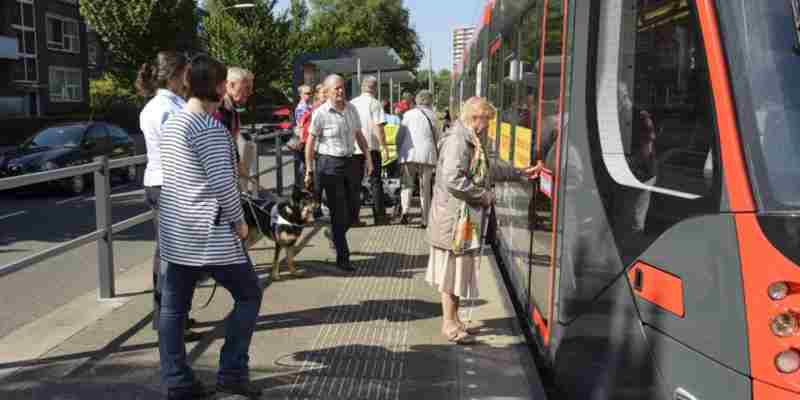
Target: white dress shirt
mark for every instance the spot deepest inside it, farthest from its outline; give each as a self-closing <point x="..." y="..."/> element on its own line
<point x="151" y="121"/>
<point x="335" y="130"/>
<point x="370" y="112"/>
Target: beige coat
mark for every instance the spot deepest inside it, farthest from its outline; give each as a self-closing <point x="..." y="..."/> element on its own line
<point x="452" y="187"/>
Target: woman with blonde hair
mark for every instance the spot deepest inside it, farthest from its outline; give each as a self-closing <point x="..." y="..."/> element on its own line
<point x="461" y="193"/>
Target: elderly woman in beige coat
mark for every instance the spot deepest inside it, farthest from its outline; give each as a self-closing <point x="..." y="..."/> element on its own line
<point x="464" y="176"/>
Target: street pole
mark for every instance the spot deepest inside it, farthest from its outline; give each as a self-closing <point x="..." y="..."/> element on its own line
<point x="430" y="68"/>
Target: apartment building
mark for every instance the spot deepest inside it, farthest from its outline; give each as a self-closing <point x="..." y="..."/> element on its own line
<point x="43" y="58"/>
<point x="460" y="41"/>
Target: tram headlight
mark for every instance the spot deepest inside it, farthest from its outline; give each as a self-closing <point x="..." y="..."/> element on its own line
<point x="784" y="324"/>
<point x="778" y="290"/>
<point x="788" y="361"/>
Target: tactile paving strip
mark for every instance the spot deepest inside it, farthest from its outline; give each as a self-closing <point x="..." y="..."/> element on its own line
<point x="360" y="350"/>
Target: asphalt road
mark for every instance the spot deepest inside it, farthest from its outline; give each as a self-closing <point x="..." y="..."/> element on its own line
<point x="32" y="221"/>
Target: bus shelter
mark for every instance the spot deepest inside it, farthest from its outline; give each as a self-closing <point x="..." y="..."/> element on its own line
<point x="381" y="62"/>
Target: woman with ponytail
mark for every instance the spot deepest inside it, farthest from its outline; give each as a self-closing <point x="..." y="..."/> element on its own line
<point x="163" y="81"/>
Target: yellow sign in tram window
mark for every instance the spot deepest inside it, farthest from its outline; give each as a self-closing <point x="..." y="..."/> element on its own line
<point x="505" y="141"/>
<point x="523" y="144"/>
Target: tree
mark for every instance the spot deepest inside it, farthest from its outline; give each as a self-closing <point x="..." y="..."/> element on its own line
<point x="364" y="23"/>
<point x="255" y="38"/>
<point x="133" y="31"/>
<point x="441" y="86"/>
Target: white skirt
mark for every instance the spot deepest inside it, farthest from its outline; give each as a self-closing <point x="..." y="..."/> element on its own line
<point x="453" y="274"/>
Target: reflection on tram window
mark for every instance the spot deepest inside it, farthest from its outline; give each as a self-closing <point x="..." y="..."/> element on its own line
<point x="767" y="90"/>
<point x="665" y="124"/>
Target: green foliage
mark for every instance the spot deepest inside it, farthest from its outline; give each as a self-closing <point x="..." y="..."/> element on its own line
<point x="441" y="86"/>
<point x="108" y="92"/>
<point x="135" y="30"/>
<point x="364" y="23"/>
<point x="253" y="38"/>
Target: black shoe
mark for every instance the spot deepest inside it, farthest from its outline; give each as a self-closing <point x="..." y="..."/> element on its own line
<point x="241" y="389"/>
<point x="423" y="226"/>
<point x="404" y="219"/>
<point x="345" y="266"/>
<point x="196" y="391"/>
<point x="190" y="323"/>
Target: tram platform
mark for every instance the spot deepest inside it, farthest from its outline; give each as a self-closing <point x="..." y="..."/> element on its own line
<point x="372" y="334"/>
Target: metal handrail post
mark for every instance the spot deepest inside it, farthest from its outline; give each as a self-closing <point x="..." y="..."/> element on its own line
<point x="105" y="248"/>
<point x="258" y="162"/>
<point x="279" y="164"/>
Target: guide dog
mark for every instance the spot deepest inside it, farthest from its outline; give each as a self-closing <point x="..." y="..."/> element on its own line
<point x="280" y="220"/>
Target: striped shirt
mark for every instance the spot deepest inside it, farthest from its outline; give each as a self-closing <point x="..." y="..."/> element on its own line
<point x="199" y="201"/>
<point x="334" y="130"/>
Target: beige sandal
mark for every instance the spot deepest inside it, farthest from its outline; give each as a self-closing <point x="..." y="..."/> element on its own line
<point x="460" y="336"/>
<point x="470" y="330"/>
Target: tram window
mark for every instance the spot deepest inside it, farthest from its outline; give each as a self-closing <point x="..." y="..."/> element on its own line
<point x="509" y="106"/>
<point x="551" y="88"/>
<point x="494" y="67"/>
<point x="656" y="132"/>
<point x="528" y="53"/>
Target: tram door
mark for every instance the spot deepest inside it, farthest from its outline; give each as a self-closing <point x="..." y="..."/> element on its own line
<point x="543" y="209"/>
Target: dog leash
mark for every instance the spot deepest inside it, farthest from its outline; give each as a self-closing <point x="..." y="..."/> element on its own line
<point x="244" y="250"/>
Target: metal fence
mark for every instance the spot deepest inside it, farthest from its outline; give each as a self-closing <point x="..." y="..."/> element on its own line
<point x="105" y="230"/>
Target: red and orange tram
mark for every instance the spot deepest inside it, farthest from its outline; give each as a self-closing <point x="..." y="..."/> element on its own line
<point x="658" y="255"/>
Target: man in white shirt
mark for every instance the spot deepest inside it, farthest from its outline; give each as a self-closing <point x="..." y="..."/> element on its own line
<point x="373" y="119"/>
<point x="335" y="129"/>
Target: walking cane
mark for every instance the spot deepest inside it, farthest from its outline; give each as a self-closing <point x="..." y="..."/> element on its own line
<point x="481" y="248"/>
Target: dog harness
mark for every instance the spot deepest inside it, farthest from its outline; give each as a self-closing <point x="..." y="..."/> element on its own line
<point x="275" y="220"/>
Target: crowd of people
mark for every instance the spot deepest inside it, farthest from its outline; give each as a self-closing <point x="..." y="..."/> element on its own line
<point x="198" y="163"/>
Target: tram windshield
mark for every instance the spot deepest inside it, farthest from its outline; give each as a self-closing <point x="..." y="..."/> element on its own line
<point x="763" y="46"/>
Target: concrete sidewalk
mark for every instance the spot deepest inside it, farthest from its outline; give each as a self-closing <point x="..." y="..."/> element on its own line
<point x="372" y="334"/>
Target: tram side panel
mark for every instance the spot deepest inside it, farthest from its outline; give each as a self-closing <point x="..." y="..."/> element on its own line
<point x="615" y="336"/>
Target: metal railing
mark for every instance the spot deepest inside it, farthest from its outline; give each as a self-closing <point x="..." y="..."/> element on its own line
<point x="104" y="233"/>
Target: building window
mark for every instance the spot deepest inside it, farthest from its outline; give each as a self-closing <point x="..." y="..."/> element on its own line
<point x="92" y="48"/>
<point x="66" y="84"/>
<point x="12" y="107"/>
<point x="24" y="27"/>
<point x="62" y="34"/>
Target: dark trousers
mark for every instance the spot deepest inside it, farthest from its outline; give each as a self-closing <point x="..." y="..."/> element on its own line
<point x="335" y="178"/>
<point x="358" y="164"/>
<point x="152" y="193"/>
<point x="178" y="283"/>
<point x="299" y="168"/>
<point x="376" y="185"/>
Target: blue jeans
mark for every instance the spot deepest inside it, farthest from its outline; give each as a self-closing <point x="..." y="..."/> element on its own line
<point x="177" y="289"/>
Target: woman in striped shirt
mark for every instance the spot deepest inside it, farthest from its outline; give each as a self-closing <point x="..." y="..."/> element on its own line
<point x="201" y="231"/>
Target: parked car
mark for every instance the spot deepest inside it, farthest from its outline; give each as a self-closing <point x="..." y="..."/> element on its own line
<point x="68" y="145"/>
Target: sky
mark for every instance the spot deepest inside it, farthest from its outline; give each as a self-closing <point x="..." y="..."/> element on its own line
<point x="434" y="20"/>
